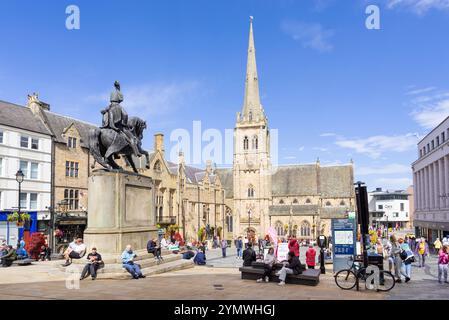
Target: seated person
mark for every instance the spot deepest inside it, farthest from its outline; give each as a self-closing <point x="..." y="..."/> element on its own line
<point x="153" y="248"/>
<point x="249" y="255"/>
<point x="9" y="257"/>
<point x="200" y="258"/>
<point x="128" y="263"/>
<point x="269" y="261"/>
<point x="293" y="266"/>
<point x="164" y="243"/>
<point x="94" y="262"/>
<point x="74" y="251"/>
<point x="21" y="253"/>
<point x="189" y="254"/>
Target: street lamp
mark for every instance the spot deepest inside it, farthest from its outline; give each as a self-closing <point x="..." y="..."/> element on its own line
<point x="386" y="216"/>
<point x="249" y="222"/>
<point x="19" y="178"/>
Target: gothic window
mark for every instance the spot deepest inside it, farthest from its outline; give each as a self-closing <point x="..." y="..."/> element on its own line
<point x="305" y="229"/>
<point x="295" y="201"/>
<point x="279" y="228"/>
<point x="328" y="204"/>
<point x="157" y="166"/>
<point x="281" y="201"/>
<point x="250" y="116"/>
<point x="308" y="201"/>
<point x="255" y="143"/>
<point x="250" y="191"/>
<point x="245" y="143"/>
<point x="342" y="203"/>
<point x="229" y="223"/>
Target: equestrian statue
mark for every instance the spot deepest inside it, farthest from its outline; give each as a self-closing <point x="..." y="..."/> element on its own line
<point x="117" y="136"/>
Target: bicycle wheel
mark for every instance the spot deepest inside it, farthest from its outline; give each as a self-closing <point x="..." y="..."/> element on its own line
<point x="346" y="279"/>
<point x="387" y="281"/>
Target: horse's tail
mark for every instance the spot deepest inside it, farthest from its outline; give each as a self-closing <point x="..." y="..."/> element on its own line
<point x="94" y="144"/>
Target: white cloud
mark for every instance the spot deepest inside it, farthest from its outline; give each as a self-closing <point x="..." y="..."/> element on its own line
<point x="375" y="146"/>
<point x="430" y="110"/>
<point x="393" y="168"/>
<point x="328" y="134"/>
<point x="311" y="35"/>
<point x="301" y="148"/>
<point x="152" y="99"/>
<point x="393" y="183"/>
<point x="419" y="6"/>
<point x="420" y="91"/>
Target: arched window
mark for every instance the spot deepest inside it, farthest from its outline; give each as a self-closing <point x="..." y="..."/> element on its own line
<point x="250" y="191"/>
<point x="255" y="143"/>
<point x="229" y="223"/>
<point x="342" y="203"/>
<point x="250" y="116"/>
<point x="308" y="201"/>
<point x="295" y="201"/>
<point x="281" y="201"/>
<point x="279" y="228"/>
<point x="305" y="229"/>
<point x="328" y="204"/>
<point x="245" y="143"/>
<point x="157" y="166"/>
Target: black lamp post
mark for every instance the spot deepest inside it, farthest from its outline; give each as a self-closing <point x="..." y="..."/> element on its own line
<point x="249" y="221"/>
<point x="19" y="178"/>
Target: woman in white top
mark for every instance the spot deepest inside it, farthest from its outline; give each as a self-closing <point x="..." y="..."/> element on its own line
<point x="269" y="261"/>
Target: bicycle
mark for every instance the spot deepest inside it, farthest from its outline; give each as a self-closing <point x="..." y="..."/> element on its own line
<point x="347" y="279"/>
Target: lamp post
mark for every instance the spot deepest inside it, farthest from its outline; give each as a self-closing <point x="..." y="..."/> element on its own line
<point x="249" y="223"/>
<point x="386" y="216"/>
<point x="19" y="178"/>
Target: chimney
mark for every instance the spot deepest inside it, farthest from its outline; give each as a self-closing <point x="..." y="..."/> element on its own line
<point x="159" y="142"/>
<point x="36" y="105"/>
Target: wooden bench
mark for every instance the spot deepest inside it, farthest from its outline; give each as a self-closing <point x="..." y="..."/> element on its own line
<point x="308" y="277"/>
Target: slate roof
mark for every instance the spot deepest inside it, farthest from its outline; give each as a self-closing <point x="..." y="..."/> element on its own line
<point x="336" y="181"/>
<point x="226" y="178"/>
<point x="58" y="123"/>
<point x="21" y="117"/>
<point x="295" y="180"/>
<point x="297" y="210"/>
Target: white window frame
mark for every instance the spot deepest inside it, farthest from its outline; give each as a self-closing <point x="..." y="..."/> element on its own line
<point x="28" y="142"/>
<point x="31" y="170"/>
<point x="29" y="200"/>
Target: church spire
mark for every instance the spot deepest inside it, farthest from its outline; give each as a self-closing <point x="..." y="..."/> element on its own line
<point x="252" y="109"/>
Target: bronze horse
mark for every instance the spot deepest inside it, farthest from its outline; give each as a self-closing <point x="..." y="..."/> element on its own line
<point x="107" y="144"/>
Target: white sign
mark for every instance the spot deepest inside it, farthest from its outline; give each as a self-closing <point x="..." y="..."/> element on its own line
<point x="344" y="237"/>
<point x="282" y="254"/>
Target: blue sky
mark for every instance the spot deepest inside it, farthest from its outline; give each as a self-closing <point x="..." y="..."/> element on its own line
<point x="334" y="89"/>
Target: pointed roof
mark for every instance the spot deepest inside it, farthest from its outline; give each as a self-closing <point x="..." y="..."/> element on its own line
<point x="252" y="109"/>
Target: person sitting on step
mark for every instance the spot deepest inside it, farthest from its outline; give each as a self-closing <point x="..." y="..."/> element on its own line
<point x="74" y="251"/>
<point x="155" y="249"/>
<point x="94" y="262"/>
<point x="10" y="256"/>
<point x="128" y="263"/>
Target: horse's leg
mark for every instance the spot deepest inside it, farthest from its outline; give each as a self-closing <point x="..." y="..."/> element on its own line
<point x="147" y="155"/>
<point x="131" y="162"/>
<point x="113" y="164"/>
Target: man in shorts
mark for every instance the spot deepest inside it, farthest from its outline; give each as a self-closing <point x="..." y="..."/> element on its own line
<point x="74" y="251"/>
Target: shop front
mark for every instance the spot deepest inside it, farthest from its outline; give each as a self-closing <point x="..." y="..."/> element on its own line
<point x="12" y="232"/>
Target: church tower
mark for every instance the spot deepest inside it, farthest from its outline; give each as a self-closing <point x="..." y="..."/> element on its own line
<point x="251" y="167"/>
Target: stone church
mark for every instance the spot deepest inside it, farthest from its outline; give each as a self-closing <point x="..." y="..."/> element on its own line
<point x="295" y="199"/>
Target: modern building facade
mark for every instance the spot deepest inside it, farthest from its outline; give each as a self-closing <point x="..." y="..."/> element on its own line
<point x="389" y="208"/>
<point x="431" y="183"/>
<point x="297" y="199"/>
<point x="25" y="144"/>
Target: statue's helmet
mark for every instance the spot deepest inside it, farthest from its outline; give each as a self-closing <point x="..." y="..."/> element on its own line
<point x="117" y="84"/>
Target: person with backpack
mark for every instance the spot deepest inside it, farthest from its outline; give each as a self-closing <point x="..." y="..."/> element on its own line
<point x="407" y="257"/>
<point x="422" y="249"/>
<point x="443" y="261"/>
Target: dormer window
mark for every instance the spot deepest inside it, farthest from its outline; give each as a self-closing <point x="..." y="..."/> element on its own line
<point x="71" y="142"/>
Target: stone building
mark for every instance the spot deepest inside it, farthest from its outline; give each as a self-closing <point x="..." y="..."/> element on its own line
<point x="189" y="197"/>
<point x="295" y="199"/>
<point x="431" y="184"/>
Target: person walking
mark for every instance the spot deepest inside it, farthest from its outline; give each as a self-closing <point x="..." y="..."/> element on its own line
<point x="443" y="261"/>
<point x="239" y="247"/>
<point x="293" y="245"/>
<point x="223" y="245"/>
<point x="422" y="249"/>
<point x="268" y="261"/>
<point x="407" y="257"/>
<point x="387" y="255"/>
<point x="311" y="257"/>
<point x="395" y="255"/>
<point x="437" y="245"/>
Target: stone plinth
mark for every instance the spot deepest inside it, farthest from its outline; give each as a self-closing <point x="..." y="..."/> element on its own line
<point x="120" y="212"/>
